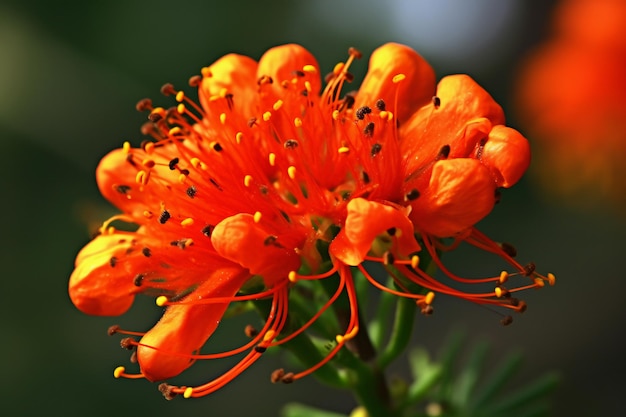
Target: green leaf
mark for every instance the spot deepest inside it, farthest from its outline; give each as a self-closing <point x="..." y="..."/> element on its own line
<point x="426" y="375"/>
<point x="466" y="381"/>
<point x="301" y="410"/>
<point x="500" y="377"/>
<point x="524" y="396"/>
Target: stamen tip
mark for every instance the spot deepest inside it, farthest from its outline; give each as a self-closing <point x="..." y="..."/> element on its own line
<point x="398" y="78"/>
<point x="161" y="300"/>
<point x="117" y="373"/>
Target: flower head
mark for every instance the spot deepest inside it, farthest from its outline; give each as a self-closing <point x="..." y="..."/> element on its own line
<point x="271" y="181"/>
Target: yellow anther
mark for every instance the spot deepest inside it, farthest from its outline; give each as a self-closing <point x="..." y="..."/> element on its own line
<point x="498" y="292"/>
<point x="389" y="116"/>
<point x="142" y="177"/>
<point x="148" y="163"/>
<point x="504" y="276"/>
<point x="297" y="122"/>
<point x="428" y="299"/>
<point x="180" y="96"/>
<point x="247" y="180"/>
<point x="186" y="222"/>
<point x="257" y="217"/>
<point x="175" y="131"/>
<point x="110" y="230"/>
<point x="415" y="260"/>
<point x="309" y="68"/>
<point x="180" y="108"/>
<point x="342" y="338"/>
<point x="338" y="68"/>
<point x="291" y="171"/>
<point x="149" y="148"/>
<point x="182" y="178"/>
<point x="551" y="279"/>
<point x="147" y="214"/>
<point x="307" y="85"/>
<point x="206" y="72"/>
<point x="223" y="92"/>
<point x="118" y="371"/>
<point x="159" y="111"/>
<point x="539" y="282"/>
<point x="195" y="162"/>
<point x="343" y="149"/>
<point x="187" y="243"/>
<point x="272" y="158"/>
<point x="239" y="137"/>
<point x="188" y="392"/>
<point x="292" y="276"/>
<point x="267" y="116"/>
<point x="161" y="300"/>
<point x="398" y="78"/>
<point x="223" y="118"/>
<point x="126" y="147"/>
<point x="269" y="336"/>
<point x="277" y="105"/>
<point x="335" y="114"/>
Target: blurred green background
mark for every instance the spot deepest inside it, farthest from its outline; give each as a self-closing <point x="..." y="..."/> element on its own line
<point x="70" y="75"/>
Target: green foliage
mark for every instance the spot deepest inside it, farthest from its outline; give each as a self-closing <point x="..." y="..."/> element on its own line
<point x="450" y="388"/>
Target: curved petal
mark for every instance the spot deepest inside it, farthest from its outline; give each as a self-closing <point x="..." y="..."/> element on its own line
<point x="413" y="92"/>
<point x="237" y="75"/>
<point x="184" y="328"/>
<point x="463" y="116"/>
<point x="115" y="176"/>
<point x="507" y="154"/>
<point x="98" y="285"/>
<point x="365" y="221"/>
<point x="281" y="63"/>
<point x="240" y="239"/>
<point x="460" y="193"/>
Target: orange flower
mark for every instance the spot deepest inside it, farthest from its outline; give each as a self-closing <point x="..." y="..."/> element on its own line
<point x="271" y="177"/>
<point x="571" y="93"/>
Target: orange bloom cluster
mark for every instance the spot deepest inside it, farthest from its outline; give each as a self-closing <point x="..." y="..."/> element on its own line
<point x="572" y="96"/>
<point x="271" y="179"/>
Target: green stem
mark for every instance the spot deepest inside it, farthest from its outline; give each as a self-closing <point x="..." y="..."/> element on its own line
<point x="401" y="332"/>
<point x="369" y="383"/>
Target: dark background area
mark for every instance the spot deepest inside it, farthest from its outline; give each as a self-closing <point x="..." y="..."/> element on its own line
<point x="70" y="75"/>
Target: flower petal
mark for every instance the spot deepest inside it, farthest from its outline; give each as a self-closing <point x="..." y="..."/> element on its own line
<point x="460" y="193"/>
<point x="98" y="286"/>
<point x="116" y="179"/>
<point x="184" y="328"/>
<point x="413" y="92"/>
<point x="242" y="240"/>
<point x="365" y="221"/>
<point x="235" y="73"/>
<point x="463" y="116"/>
<point x="507" y="154"/>
<point x="281" y="62"/>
